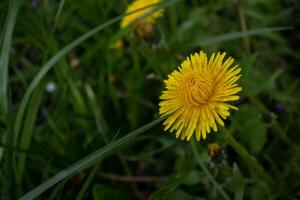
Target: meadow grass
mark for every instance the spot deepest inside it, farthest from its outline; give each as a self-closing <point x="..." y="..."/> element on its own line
<point x="70" y="103"/>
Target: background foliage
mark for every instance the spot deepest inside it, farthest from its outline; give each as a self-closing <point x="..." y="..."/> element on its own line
<point x="97" y="93"/>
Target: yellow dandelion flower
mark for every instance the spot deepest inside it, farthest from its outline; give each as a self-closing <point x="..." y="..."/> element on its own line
<point x="197" y="95"/>
<point x="139" y="4"/>
<point x="213" y="149"/>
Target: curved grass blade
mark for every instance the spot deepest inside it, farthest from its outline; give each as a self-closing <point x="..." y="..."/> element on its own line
<point x="208" y="174"/>
<point x="45" y="68"/>
<point x="236" y="35"/>
<point x="5" y="51"/>
<point x="29" y="121"/>
<point x="6" y="40"/>
<point x="88" y="160"/>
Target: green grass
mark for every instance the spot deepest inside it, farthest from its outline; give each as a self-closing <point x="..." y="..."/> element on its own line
<point x="73" y="142"/>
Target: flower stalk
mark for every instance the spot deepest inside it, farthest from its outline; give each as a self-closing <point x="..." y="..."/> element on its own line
<point x="248" y="159"/>
<point x="243" y="25"/>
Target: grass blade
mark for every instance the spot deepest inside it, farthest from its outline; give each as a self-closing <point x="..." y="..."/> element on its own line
<point x="100" y="122"/>
<point x="236" y="35"/>
<point x="5" y="51"/>
<point x="88" y="160"/>
<point x="60" y="7"/>
<point x="10" y="22"/>
<point x="4" y="60"/>
<point x="29" y="121"/>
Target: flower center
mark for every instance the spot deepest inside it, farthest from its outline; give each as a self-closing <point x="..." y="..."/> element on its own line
<point x="197" y="89"/>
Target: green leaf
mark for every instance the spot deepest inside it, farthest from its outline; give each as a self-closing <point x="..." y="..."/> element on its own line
<point x="251" y="129"/>
<point x="191" y="178"/>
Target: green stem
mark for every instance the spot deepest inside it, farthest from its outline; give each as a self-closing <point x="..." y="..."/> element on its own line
<point x="276" y="126"/>
<point x="250" y="160"/>
<point x="208" y="174"/>
<point x="243" y="25"/>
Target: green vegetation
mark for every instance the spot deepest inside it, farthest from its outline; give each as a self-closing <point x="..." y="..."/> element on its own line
<point x="79" y="119"/>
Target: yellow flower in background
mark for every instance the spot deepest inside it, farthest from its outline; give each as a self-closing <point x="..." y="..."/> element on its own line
<point x="119" y="44"/>
<point x="139" y="4"/>
<point x="197" y="95"/>
<point x="213" y="149"/>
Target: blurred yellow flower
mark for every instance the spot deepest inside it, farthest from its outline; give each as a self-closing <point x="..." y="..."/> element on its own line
<point x="213" y="149"/>
<point x="197" y="93"/>
<point x="119" y="44"/>
<point x="134" y="17"/>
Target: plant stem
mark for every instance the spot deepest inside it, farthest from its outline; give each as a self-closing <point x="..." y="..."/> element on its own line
<point x="276" y="126"/>
<point x="208" y="174"/>
<point x="243" y="25"/>
<point x="250" y="160"/>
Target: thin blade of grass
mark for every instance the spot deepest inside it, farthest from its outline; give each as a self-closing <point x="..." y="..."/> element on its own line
<point x="29" y="121"/>
<point x="88" y="160"/>
<point x="8" y="167"/>
<point x="6" y="38"/>
<point x="5" y="51"/>
<point x="100" y="122"/>
<point x="237" y="35"/>
<point x="60" y="7"/>
<point x="208" y="174"/>
<point x="45" y="68"/>
<point x="10" y="22"/>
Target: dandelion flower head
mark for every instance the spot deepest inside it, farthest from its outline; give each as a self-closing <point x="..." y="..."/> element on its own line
<point x="197" y="96"/>
<point x="139" y="4"/>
